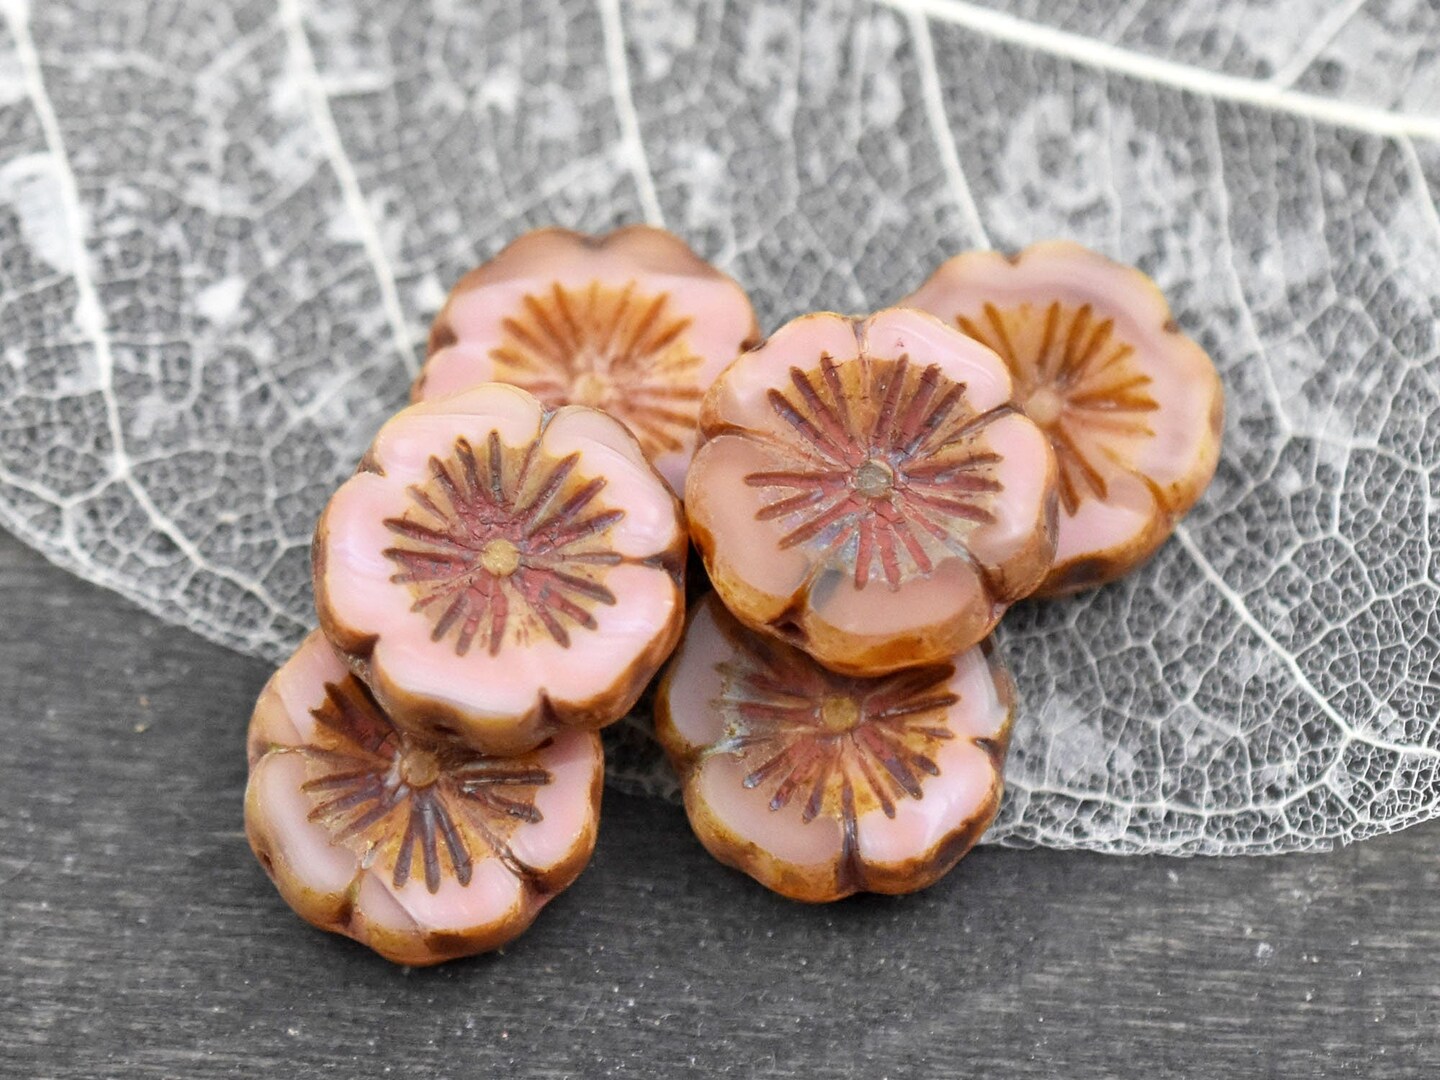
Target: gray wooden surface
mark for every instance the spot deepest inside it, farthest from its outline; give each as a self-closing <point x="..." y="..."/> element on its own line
<point x="138" y="937"/>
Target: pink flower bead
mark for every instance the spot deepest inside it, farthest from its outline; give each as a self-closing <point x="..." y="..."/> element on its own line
<point x="498" y="572"/>
<point x="422" y="851"/>
<point x="1132" y="407"/>
<point x="868" y="492"/>
<point x="820" y="785"/>
<point x="634" y="323"/>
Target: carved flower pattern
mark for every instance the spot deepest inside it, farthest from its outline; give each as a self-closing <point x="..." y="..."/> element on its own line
<point x="500" y="558"/>
<point x="613" y="349"/>
<point x="1078" y="382"/>
<point x="404" y="805"/>
<point x="819" y="784"/>
<point x="1132" y="408"/>
<point x="634" y="323"/>
<point x="868" y="491"/>
<point x="836" y="743"/>
<point x="423" y="851"/>
<point x="882" y="484"/>
<point x="498" y="572"/>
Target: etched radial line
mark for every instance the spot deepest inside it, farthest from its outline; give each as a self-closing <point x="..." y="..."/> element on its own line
<point x="935" y="420"/>
<point x="830" y="373"/>
<point x="821" y="410"/>
<point x="796" y="418"/>
<point x="894" y="383"/>
<point x="793" y="503"/>
<point x="604" y="340"/>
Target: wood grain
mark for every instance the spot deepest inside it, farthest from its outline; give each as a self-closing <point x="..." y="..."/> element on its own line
<point x="138" y="938"/>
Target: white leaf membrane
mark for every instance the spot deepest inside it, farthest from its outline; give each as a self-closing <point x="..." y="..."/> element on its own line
<point x="224" y="228"/>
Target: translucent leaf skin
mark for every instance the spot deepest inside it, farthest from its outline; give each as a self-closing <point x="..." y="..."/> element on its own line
<point x="224" y="230"/>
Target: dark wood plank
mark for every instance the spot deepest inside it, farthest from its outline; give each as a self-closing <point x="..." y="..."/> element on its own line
<point x="138" y="938"/>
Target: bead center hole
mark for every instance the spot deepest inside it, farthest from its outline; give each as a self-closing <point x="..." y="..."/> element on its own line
<point x="874" y="479"/>
<point x="590" y="389"/>
<point x="419" y="768"/>
<point x="1044" y="406"/>
<point x="500" y="557"/>
<point x="839" y="714"/>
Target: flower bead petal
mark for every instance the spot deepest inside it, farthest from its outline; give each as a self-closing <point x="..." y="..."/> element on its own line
<point x="623" y="633"/>
<point x="909" y="332"/>
<point x="403" y="451"/>
<point x="776" y="846"/>
<point x="408" y="931"/>
<point x="422" y="851"/>
<point x="685" y="724"/>
<point x="852" y="631"/>
<point x="454" y="368"/>
<point x="283" y="715"/>
<point x="311" y="873"/>
<point x="634" y="323"/>
<point x="1132" y="407"/>
<point x="650" y="525"/>
<point x="742" y="399"/>
<point x="1016" y="547"/>
<point x="868" y="491"/>
<point x="732" y="528"/>
<point x="556" y="848"/>
<point x="951" y="816"/>
<point x="486" y="906"/>
<point x="498" y="573"/>
<point x="819" y="784"/>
